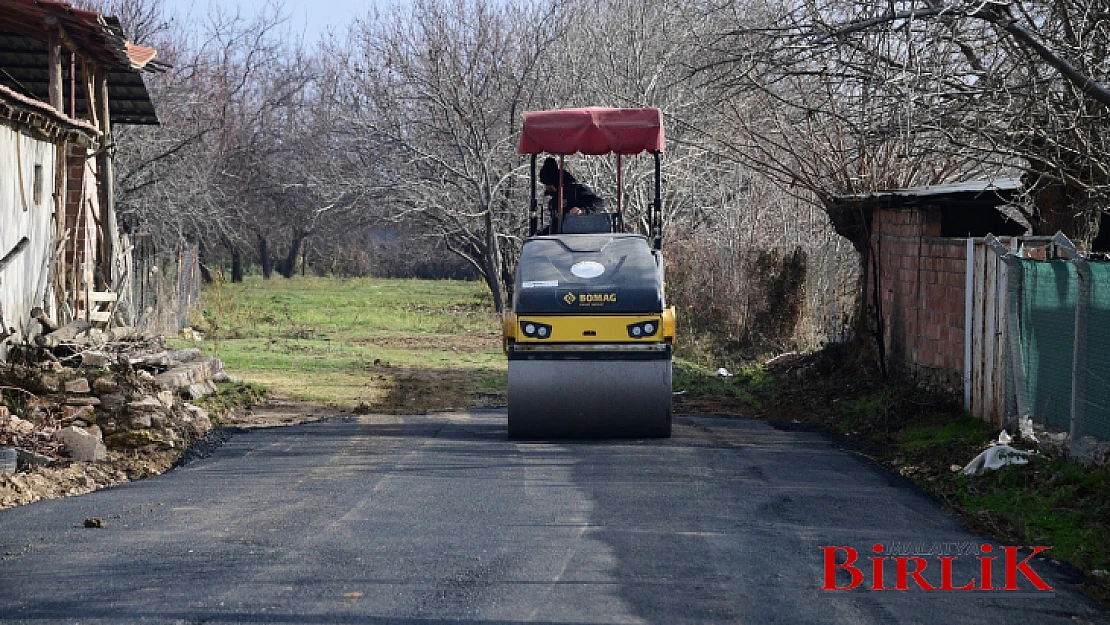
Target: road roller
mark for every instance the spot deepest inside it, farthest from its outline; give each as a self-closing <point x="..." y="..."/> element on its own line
<point x="589" y="338"/>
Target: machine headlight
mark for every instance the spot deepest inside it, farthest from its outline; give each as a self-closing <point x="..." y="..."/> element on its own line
<point x="535" y="330"/>
<point x="642" y="329"/>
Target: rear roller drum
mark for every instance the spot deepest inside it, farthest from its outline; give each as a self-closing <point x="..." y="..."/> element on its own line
<point x="589" y="399"/>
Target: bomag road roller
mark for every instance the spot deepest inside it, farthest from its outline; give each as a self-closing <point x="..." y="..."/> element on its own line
<point x="590" y="338"/>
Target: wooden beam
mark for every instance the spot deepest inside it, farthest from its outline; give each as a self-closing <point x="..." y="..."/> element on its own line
<point x="107" y="178"/>
<point x="55" y="60"/>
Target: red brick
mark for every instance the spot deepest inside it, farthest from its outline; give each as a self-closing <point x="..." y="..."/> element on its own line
<point x="932" y="332"/>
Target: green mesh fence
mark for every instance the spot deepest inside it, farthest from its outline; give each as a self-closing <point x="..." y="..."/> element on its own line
<point x="1048" y="299"/>
<point x="1096" y="420"/>
<point x="1047" y="338"/>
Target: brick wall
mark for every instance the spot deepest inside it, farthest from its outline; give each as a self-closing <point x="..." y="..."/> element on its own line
<point x="81" y="202"/>
<point x="922" y="278"/>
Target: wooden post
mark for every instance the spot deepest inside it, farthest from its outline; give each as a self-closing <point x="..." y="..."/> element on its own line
<point x="73" y="85"/>
<point x="107" y="178"/>
<point x="55" y="60"/>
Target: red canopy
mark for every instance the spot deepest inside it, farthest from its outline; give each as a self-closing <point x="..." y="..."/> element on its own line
<point x="592" y="130"/>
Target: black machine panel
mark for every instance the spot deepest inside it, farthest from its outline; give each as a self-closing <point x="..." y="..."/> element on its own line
<point x="589" y="274"/>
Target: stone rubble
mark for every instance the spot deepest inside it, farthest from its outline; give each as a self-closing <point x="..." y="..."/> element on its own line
<point x="89" y="403"/>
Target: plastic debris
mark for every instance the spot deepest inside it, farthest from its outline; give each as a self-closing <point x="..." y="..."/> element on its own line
<point x="723" y="373"/>
<point x="1025" y="426"/>
<point x="1004" y="438"/>
<point x="996" y="457"/>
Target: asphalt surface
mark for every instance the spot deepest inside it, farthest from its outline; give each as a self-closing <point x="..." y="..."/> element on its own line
<point x="429" y="519"/>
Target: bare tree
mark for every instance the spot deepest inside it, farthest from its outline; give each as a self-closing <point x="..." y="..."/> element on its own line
<point x="435" y="98"/>
<point x="235" y="117"/>
<point x="976" y="88"/>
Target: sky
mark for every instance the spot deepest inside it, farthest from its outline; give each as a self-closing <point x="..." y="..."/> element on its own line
<point x="312" y="17"/>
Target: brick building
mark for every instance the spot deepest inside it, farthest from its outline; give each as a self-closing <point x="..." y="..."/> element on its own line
<point x="924" y="271"/>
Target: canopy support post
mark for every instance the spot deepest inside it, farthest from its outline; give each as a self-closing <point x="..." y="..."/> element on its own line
<point x="533" y="221"/>
<point x="620" y="194"/>
<point x="657" y="207"/>
<point x="560" y="229"/>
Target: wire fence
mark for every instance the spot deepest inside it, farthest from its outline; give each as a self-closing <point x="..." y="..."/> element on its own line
<point x="1058" y="372"/>
<point x="159" y="287"/>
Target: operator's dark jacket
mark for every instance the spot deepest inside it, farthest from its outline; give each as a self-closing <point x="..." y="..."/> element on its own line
<point x="575" y="194"/>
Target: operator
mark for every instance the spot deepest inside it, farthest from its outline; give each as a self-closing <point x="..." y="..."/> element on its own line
<point x="578" y="198"/>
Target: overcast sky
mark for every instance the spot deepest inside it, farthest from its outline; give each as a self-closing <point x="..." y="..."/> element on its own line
<point x="312" y="17"/>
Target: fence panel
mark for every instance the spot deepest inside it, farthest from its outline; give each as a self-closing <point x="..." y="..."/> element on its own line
<point x="986" y="347"/>
<point x="160" y="287"/>
<point x="1047" y="315"/>
<point x="1096" y="420"/>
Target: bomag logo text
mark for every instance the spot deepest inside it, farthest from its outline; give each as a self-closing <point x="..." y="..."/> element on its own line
<point x="596" y="299"/>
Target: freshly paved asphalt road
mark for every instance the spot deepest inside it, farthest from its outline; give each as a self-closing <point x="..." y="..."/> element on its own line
<point x="416" y="520"/>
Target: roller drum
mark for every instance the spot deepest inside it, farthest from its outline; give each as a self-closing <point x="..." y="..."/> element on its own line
<point x="571" y="398"/>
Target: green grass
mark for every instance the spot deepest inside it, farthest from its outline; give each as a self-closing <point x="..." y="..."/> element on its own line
<point x="749" y="385"/>
<point x="919" y="440"/>
<point x="233" y="396"/>
<point x="1049" y="501"/>
<point x="337" y="309"/>
<point x="357" y="341"/>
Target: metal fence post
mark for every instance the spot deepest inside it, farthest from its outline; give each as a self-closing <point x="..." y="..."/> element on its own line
<point x="1079" y="355"/>
<point x="1015" y="370"/>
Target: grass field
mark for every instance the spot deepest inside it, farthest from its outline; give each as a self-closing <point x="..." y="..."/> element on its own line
<point x="385" y="345"/>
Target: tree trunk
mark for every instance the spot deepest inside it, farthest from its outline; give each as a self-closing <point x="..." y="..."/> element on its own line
<point x="853" y="222"/>
<point x="202" y="263"/>
<point x="289" y="266"/>
<point x="1064" y="209"/>
<point x="492" y="262"/>
<point x="264" y="257"/>
<point x="236" y="264"/>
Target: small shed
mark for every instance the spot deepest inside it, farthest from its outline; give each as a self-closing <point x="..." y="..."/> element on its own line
<point x="935" y="289"/>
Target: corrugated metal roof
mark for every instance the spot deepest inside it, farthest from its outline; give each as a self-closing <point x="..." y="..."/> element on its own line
<point x="995" y="192"/>
<point x="25" y="27"/>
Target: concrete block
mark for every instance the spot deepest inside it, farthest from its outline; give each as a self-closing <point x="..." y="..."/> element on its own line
<point x="99" y="360"/>
<point x="141" y="420"/>
<point x="82" y="445"/>
<point x="147" y="404"/>
<point x="105" y="385"/>
<point x="112" y="401"/>
<point x="85" y="413"/>
<point x="78" y="385"/>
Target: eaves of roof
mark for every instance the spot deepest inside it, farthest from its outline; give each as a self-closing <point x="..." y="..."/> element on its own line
<point x="994" y="192"/>
<point x="25" y="29"/>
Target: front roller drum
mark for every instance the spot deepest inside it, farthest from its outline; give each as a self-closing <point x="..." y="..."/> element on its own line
<point x="589" y="399"/>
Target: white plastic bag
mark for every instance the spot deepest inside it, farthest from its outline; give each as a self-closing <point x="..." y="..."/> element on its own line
<point x="996" y="457"/>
